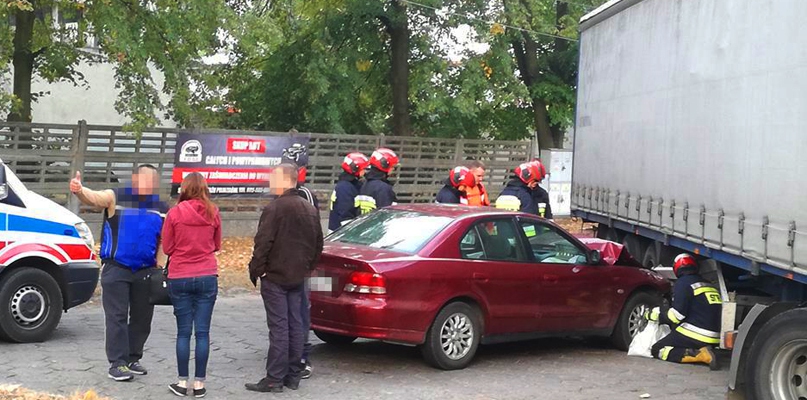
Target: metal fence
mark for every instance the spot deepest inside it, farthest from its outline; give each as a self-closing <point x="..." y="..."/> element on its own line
<point x="46" y="156"/>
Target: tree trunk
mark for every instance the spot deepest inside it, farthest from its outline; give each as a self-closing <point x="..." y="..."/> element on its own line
<point x="399" y="69"/>
<point x="526" y="53"/>
<point x="23" y="62"/>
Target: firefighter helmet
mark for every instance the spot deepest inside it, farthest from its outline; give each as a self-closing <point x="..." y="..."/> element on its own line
<point x="685" y="263"/>
<point x="541" y="169"/>
<point x="461" y="176"/>
<point x="528" y="173"/>
<point x="354" y="163"/>
<point x="384" y="160"/>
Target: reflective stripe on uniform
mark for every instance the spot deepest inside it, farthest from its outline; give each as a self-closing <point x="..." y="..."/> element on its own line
<point x="333" y="199"/>
<point x="698" y="285"/>
<point x="541" y="209"/>
<point x="703" y="290"/>
<point x="365" y="203"/>
<point x="675" y="316"/>
<point x="699" y="334"/>
<point x="508" y="202"/>
<point x="664" y="352"/>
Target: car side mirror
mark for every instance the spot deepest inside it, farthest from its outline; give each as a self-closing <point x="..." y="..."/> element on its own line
<point x="595" y="258"/>
<point x="3" y="183"/>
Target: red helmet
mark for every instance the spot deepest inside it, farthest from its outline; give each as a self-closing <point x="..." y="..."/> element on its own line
<point x="461" y="176"/>
<point x="684" y="263"/>
<point x="384" y="159"/>
<point x="528" y="173"/>
<point x="354" y="163"/>
<point x="541" y="168"/>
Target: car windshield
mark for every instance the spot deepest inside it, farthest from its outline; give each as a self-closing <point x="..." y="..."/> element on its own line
<point x="403" y="231"/>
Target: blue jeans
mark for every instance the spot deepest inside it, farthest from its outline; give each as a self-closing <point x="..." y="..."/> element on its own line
<point x="193" y="300"/>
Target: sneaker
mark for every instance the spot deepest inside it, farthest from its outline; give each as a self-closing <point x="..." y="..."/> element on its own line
<point x="120" y="373"/>
<point x="265" y="386"/>
<point x="137" y="369"/>
<point x="199" y="393"/>
<point x="306" y="372"/>
<point x="178" y="390"/>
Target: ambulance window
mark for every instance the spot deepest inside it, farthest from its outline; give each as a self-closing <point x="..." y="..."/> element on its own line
<point x="13" y="199"/>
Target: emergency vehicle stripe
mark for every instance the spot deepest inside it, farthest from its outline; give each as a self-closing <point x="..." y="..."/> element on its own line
<point x="675" y="316"/>
<point x="20" y="223"/>
<point x="77" y="251"/>
<point x="14" y="251"/>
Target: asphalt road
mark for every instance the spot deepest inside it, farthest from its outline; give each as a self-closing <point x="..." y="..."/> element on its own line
<point x="545" y="369"/>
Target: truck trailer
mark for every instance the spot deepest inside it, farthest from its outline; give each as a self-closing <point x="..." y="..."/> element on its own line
<point x="691" y="136"/>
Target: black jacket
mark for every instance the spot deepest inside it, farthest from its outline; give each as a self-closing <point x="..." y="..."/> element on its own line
<point x="539" y="195"/>
<point x="696" y="309"/>
<point x="517" y="196"/>
<point x="376" y="192"/>
<point x="449" y="194"/>
<point x="343" y="201"/>
<point x="289" y="241"/>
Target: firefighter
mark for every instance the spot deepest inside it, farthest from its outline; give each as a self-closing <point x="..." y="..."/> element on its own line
<point x="517" y="194"/>
<point x="454" y="191"/>
<point x="343" y="197"/>
<point x="540" y="195"/>
<point x="377" y="190"/>
<point x="694" y="317"/>
<point x="477" y="195"/>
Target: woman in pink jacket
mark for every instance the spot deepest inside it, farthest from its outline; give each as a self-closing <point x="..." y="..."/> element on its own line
<point x="191" y="236"/>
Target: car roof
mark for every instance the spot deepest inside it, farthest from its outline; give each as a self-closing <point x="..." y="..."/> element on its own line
<point x="451" y="210"/>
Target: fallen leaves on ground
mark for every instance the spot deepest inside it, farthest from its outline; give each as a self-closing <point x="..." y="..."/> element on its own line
<point x="16" y="392"/>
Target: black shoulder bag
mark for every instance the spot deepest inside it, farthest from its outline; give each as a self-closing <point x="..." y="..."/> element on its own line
<point x="158" y="287"/>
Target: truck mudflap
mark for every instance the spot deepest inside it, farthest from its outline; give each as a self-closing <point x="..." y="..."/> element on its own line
<point x="80" y="281"/>
<point x="747" y="332"/>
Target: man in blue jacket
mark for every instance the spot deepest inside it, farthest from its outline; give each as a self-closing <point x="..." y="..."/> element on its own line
<point x="517" y="194"/>
<point x="377" y="190"/>
<point x="343" y="198"/>
<point x="130" y="250"/>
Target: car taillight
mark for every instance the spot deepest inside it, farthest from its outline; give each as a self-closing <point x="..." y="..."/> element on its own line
<point x="366" y="283"/>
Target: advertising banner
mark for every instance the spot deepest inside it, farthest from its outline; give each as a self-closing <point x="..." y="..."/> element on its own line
<point x="234" y="165"/>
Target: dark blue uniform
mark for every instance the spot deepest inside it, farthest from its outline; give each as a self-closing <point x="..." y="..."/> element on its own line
<point x="375" y="193"/>
<point x="517" y="196"/>
<point x="343" y="201"/>
<point x="541" y="196"/>
<point x="694" y="318"/>
<point x="449" y="195"/>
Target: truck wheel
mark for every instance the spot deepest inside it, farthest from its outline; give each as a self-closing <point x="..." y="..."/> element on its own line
<point x="634" y="245"/>
<point x="30" y="305"/>
<point x="650" y="259"/>
<point x="777" y="366"/>
<point x="630" y="319"/>
<point x="334" y="339"/>
<point x="453" y="338"/>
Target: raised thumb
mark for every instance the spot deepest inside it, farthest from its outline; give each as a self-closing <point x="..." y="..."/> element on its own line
<point x="78" y="176"/>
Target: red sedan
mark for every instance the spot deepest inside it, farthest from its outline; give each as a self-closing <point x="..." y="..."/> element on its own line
<point x="448" y="278"/>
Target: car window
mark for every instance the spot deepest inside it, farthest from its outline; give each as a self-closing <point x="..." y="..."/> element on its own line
<point x="495" y="240"/>
<point x="549" y="246"/>
<point x="403" y="231"/>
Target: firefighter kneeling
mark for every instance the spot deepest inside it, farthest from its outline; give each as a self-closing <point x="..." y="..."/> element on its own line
<point x="694" y="318"/>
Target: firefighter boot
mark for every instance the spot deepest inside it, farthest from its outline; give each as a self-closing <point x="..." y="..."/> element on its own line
<point x="704" y="355"/>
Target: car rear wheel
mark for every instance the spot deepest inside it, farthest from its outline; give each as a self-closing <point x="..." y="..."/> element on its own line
<point x="30" y="305"/>
<point x="453" y="338"/>
<point x="630" y="319"/>
<point x="334" y="339"/>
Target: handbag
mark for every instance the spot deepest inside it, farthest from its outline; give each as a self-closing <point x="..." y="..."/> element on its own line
<point x="158" y="287"/>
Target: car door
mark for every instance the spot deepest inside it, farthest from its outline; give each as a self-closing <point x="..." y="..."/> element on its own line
<point x="502" y="275"/>
<point x="574" y="296"/>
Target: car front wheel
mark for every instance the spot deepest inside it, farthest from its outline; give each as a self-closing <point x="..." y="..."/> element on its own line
<point x="453" y="338"/>
<point x="30" y="305"/>
<point x="631" y="318"/>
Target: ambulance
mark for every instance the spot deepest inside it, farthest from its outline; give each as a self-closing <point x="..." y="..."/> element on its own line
<point x="47" y="263"/>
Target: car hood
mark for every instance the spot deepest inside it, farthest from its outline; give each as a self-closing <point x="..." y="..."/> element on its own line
<point x="612" y="253"/>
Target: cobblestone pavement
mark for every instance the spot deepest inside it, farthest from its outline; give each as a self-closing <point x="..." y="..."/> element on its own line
<point x="546" y="369"/>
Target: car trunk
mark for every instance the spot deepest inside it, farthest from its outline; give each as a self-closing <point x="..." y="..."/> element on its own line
<point x="339" y="260"/>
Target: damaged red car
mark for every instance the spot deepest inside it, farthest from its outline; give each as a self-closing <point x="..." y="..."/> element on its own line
<point x="450" y="278"/>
